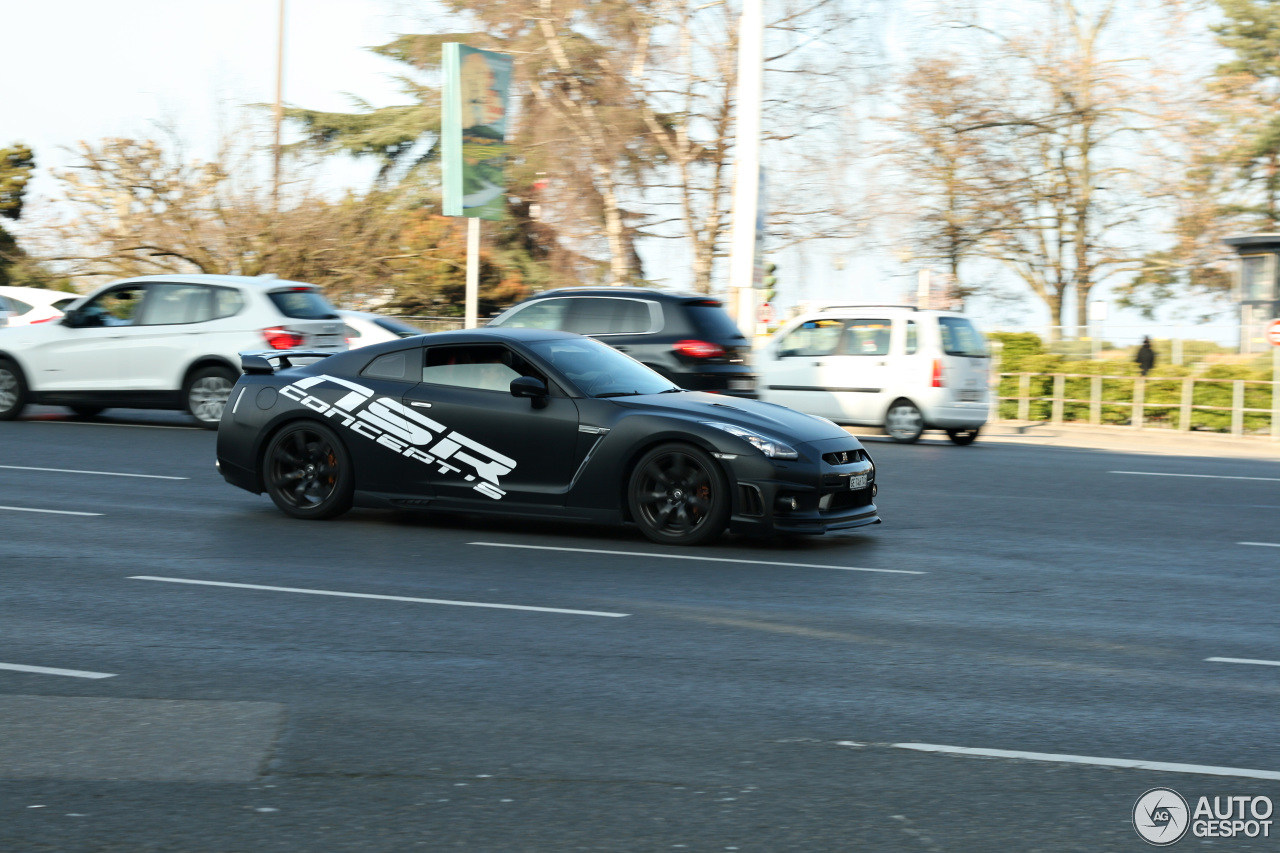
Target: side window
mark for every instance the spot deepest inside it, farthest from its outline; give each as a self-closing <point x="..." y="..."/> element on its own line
<point x="482" y="367"/>
<point x="114" y="308"/>
<point x="176" y="304"/>
<point x="402" y="366"/>
<point x="606" y="316"/>
<point x="540" y="314"/>
<point x="227" y="302"/>
<point x="17" y="306"/>
<point x="867" y="337"/>
<point x="816" y="337"/>
<point x="351" y="333"/>
<point x="912" y="340"/>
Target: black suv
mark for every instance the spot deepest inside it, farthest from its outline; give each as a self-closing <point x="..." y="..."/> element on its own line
<point x="689" y="339"/>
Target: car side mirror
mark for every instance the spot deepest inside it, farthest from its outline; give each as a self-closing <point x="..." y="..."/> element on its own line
<point x="532" y="387"/>
<point x="72" y="319"/>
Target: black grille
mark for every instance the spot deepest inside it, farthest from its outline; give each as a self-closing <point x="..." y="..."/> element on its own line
<point x="837" y="501"/>
<point x="749" y="501"/>
<point x="843" y="457"/>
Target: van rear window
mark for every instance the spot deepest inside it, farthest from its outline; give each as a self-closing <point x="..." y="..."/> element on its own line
<point x="303" y="304"/>
<point x="961" y="337"/>
<point x="712" y="321"/>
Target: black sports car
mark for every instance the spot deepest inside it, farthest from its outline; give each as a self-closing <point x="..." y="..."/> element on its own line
<point x="539" y="424"/>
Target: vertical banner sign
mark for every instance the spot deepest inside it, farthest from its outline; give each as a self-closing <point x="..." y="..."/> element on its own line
<point x="473" y="131"/>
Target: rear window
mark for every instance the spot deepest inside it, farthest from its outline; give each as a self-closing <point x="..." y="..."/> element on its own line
<point x="303" y="304"/>
<point x="712" y="321"/>
<point x="961" y="337"/>
<point x="17" y="306"/>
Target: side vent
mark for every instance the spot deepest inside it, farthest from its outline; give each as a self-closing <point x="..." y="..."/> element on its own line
<point x="750" y="502"/>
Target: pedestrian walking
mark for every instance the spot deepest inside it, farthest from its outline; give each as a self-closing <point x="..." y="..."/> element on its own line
<point x="1146" y="357"/>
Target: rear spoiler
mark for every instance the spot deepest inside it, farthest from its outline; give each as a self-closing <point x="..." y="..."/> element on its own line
<point x="261" y="362"/>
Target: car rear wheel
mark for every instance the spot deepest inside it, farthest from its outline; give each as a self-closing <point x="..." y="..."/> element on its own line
<point x="678" y="495"/>
<point x="963" y="437"/>
<point x="904" y="422"/>
<point x="206" y="394"/>
<point x="308" y="472"/>
<point x="87" y="411"/>
<point x="13" y="391"/>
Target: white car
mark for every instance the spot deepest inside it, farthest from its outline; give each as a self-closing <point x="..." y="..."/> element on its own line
<point x="363" y="329"/>
<point x="891" y="366"/>
<point x="34" y="304"/>
<point x="160" y="342"/>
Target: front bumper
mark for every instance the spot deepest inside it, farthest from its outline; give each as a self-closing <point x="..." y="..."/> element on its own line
<point x="808" y="496"/>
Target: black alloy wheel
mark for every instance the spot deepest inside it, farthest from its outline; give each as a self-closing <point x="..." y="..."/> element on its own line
<point x="308" y="472"/>
<point x="678" y="495"/>
<point x="963" y="437"/>
<point x="13" y="391"/>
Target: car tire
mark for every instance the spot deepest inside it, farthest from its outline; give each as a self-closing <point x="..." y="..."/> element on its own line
<point x="206" y="394"/>
<point x="13" y="390"/>
<point x="678" y="495"/>
<point x="963" y="437"/>
<point x="904" y="422"/>
<point x="87" y="411"/>
<point x="308" y="472"/>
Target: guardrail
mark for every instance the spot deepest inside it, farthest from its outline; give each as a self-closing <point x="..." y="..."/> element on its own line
<point x="1138" y="408"/>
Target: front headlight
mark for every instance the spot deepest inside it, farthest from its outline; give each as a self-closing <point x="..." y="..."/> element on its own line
<point x="770" y="447"/>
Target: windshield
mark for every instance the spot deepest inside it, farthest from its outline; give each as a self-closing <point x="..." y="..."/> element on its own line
<point x="960" y="337"/>
<point x="599" y="370"/>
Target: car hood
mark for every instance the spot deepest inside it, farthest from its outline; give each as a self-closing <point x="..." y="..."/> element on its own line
<point x="767" y="418"/>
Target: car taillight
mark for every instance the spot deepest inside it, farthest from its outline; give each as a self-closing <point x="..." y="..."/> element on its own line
<point x="937" y="373"/>
<point x="278" y="337"/>
<point x="699" y="349"/>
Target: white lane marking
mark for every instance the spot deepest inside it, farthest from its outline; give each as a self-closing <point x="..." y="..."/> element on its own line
<point x="103" y="473"/>
<point x="1163" y="766"/>
<point x="1197" y="476"/>
<point x="692" y="557"/>
<point x="1244" y="660"/>
<point x="382" y="597"/>
<point x="1261" y="544"/>
<point x="49" y="511"/>
<point x="48" y="670"/>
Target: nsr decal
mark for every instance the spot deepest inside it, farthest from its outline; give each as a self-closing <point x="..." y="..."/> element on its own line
<point x="399" y="428"/>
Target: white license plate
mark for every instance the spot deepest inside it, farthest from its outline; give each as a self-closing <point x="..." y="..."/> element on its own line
<point x="969" y="395"/>
<point x="857" y="481"/>
<point x="742" y="384"/>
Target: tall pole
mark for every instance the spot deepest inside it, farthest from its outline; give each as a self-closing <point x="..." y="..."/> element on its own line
<point x="472" y="308"/>
<point x="746" y="170"/>
<point x="279" y="109"/>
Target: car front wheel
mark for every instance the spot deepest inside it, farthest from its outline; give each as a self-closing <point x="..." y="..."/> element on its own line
<point x="678" y="495"/>
<point x="904" y="422"/>
<point x="963" y="437"/>
<point x="13" y="391"/>
<point x="206" y="394"/>
<point x="308" y="472"/>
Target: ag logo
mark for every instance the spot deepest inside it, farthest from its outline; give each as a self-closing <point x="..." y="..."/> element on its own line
<point x="1160" y="816"/>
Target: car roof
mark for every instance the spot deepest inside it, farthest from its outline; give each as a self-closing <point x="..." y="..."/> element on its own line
<point x="258" y="281"/>
<point x="623" y="292"/>
<point x="36" y="294"/>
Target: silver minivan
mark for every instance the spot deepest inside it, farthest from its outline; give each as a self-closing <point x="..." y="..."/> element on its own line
<point x="895" y="367"/>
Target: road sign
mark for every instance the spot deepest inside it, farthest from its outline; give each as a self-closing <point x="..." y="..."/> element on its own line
<point x="765" y="314"/>
<point x="1273" y="333"/>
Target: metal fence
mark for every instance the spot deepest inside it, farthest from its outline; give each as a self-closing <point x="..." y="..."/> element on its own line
<point x="1237" y="406"/>
<point x="1173" y="344"/>
<point x="431" y="324"/>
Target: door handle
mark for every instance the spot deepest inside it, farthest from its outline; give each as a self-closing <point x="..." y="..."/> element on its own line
<point x="420" y="405"/>
<point x="819" y="364"/>
<point x="621" y="349"/>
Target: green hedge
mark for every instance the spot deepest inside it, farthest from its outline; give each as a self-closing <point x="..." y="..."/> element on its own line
<point x="1024" y="352"/>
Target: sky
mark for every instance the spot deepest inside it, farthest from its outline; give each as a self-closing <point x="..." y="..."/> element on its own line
<point x="85" y="70"/>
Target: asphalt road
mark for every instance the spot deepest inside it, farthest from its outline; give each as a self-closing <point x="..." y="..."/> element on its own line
<point x="1039" y="603"/>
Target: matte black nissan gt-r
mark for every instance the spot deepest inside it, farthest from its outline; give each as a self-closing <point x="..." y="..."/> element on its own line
<point x="536" y="424"/>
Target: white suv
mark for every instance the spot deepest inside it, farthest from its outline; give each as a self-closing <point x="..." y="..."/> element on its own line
<point x="160" y="342"/>
<point x="890" y="366"/>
